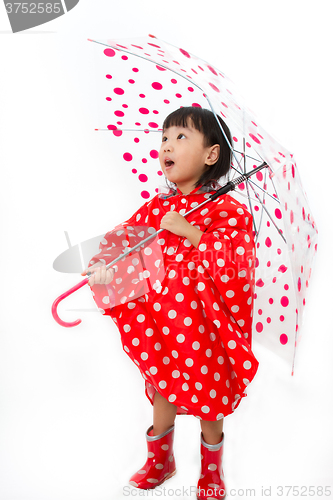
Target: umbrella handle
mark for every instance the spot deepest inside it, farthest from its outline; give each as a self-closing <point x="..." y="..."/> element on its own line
<point x="62" y="297"/>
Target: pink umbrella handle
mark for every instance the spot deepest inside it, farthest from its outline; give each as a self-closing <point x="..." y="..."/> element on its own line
<point x="62" y="297"/>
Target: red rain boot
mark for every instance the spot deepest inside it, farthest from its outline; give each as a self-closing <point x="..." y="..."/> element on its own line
<point x="160" y="463"/>
<point x="211" y="483"/>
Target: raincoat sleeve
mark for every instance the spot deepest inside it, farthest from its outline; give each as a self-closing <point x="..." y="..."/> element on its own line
<point x="111" y="246"/>
<point x="226" y="251"/>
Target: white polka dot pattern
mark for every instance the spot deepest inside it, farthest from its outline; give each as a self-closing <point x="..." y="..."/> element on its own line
<point x="192" y="333"/>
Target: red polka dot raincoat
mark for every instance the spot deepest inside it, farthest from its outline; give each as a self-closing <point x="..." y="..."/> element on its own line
<point x="191" y="336"/>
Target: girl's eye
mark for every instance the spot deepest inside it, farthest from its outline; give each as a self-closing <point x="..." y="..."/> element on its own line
<point x="181" y="136"/>
<point x="164" y="139"/>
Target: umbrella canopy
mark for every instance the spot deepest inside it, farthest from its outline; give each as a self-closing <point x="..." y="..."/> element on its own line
<point x="140" y="81"/>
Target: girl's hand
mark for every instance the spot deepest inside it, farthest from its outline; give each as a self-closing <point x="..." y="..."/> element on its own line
<point x="176" y="223"/>
<point x="101" y="276"/>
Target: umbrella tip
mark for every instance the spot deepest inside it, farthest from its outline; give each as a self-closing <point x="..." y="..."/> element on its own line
<point x="89" y="39"/>
<point x="152" y="36"/>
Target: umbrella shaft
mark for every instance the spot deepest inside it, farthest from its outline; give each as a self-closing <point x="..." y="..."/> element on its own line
<point x="150" y="237"/>
<point x="224" y="189"/>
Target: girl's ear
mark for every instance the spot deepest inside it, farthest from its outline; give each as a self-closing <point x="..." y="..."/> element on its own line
<point x="213" y="154"/>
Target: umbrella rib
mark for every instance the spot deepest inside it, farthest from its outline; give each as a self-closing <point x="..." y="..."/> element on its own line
<point x="269" y="215"/>
<point x="248" y="156"/>
<point x="261" y="189"/>
<point x="263" y="201"/>
<point x="251" y="210"/>
<point x="274" y="186"/>
<point x="248" y="195"/>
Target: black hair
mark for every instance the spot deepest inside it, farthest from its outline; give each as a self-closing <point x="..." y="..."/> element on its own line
<point x="205" y="122"/>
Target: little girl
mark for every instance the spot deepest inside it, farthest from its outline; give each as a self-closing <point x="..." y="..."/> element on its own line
<point x="191" y="337"/>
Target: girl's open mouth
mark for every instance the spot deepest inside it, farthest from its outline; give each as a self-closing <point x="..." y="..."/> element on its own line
<point x="168" y="163"/>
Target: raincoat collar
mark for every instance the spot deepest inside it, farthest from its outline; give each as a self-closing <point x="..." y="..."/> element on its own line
<point x="202" y="188"/>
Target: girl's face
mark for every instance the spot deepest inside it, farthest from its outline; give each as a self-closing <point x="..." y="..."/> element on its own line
<point x="183" y="156"/>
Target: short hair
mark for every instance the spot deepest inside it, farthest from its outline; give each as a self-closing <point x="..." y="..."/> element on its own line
<point x="205" y="122"/>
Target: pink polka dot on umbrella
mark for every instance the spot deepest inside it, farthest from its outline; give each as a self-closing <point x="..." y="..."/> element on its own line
<point x="109" y="52"/>
<point x="153" y="153"/>
<point x="255" y="138"/>
<point x="212" y="70"/>
<point x="127" y="157"/>
<point x="284" y="301"/>
<point x="185" y="53"/>
<point x="283" y="339"/>
<point x="214" y="87"/>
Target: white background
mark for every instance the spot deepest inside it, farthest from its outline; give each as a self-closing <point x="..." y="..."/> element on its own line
<point x="72" y="407"/>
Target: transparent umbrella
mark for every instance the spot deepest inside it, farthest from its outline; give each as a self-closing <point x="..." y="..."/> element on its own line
<point x="139" y="82"/>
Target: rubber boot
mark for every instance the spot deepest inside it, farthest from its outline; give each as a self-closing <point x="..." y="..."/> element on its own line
<point x="211" y="483"/>
<point x="160" y="464"/>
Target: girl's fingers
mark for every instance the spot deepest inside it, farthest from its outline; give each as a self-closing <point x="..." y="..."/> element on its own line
<point x="109" y="276"/>
<point x="99" y="275"/>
